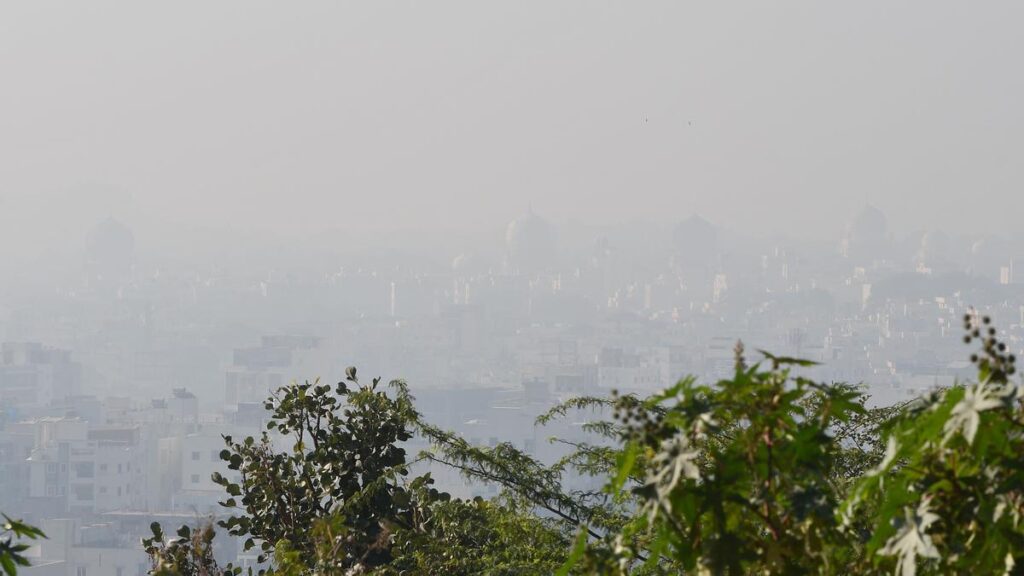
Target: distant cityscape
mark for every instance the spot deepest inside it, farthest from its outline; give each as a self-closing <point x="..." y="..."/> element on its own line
<point x="116" y="388"/>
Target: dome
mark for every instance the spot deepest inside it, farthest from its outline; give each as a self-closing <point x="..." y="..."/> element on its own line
<point x="694" y="228"/>
<point x="695" y="242"/>
<point x="867" y="237"/>
<point x="869" y="224"/>
<point x="467" y="263"/>
<point x="935" y="244"/>
<point x="989" y="254"/>
<point x="530" y="242"/>
<point x="109" y="247"/>
<point x="993" y="246"/>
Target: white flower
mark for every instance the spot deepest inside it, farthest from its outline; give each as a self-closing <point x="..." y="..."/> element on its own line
<point x="703" y="423"/>
<point x="966" y="415"/>
<point x="676" y="460"/>
<point x="1004" y="503"/>
<point x="623" y="553"/>
<point x="891" y="448"/>
<point x="911" y="540"/>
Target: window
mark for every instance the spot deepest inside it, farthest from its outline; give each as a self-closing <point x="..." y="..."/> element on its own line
<point x="103" y="468"/>
<point x="80" y="571"/>
<point x="83" y="492"/>
<point x="84" y="470"/>
<point x="195" y="455"/>
<point x="118" y="468"/>
<point x="195" y="478"/>
<point x="215" y="455"/>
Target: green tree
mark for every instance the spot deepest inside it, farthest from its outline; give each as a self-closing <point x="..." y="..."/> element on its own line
<point x="949" y="494"/>
<point x="346" y="460"/>
<point x="341" y="501"/>
<point x="735" y="478"/>
<point x="190" y="553"/>
<point x="765" y="472"/>
<point x="12" y="548"/>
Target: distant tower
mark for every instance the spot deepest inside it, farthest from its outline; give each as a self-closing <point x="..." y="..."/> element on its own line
<point x="110" y="250"/>
<point x="530" y="244"/>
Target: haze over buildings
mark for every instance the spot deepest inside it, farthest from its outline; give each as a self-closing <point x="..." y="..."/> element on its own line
<point x="504" y="205"/>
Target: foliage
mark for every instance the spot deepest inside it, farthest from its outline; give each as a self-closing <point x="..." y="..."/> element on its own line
<point x="340" y="500"/>
<point x="737" y="477"/>
<point x="764" y="472"/>
<point x="345" y="461"/>
<point x="949" y="493"/>
<point x="481" y="537"/>
<point x="190" y="553"/>
<point x="11" y="550"/>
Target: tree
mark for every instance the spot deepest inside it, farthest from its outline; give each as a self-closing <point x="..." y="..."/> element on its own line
<point x="190" y="553"/>
<point x="737" y="477"/>
<point x="949" y="494"/>
<point x="340" y="501"/>
<point x="11" y="550"/>
<point x="764" y="472"/>
<point x="345" y="461"/>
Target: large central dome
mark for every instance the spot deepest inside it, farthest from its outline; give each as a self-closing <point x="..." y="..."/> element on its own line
<point x="110" y="248"/>
<point x="867" y="237"/>
<point x="530" y="242"/>
<point x="695" y="243"/>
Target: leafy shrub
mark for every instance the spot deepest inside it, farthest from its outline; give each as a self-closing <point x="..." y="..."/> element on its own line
<point x="949" y="495"/>
<point x="765" y="472"/>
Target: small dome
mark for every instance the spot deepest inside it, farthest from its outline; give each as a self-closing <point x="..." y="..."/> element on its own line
<point x="991" y="246"/>
<point x="989" y="254"/>
<point x="467" y="263"/>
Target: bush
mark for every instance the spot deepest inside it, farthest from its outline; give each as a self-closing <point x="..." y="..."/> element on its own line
<point x="766" y="472"/>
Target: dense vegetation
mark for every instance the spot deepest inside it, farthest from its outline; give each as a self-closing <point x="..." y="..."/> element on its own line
<point x="765" y="472"/>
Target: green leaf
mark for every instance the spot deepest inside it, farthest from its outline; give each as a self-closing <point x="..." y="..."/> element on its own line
<point x="7" y="561"/>
<point x="624" y="461"/>
<point x="578" y="550"/>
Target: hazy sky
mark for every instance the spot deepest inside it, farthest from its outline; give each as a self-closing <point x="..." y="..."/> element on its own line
<point x="381" y="115"/>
